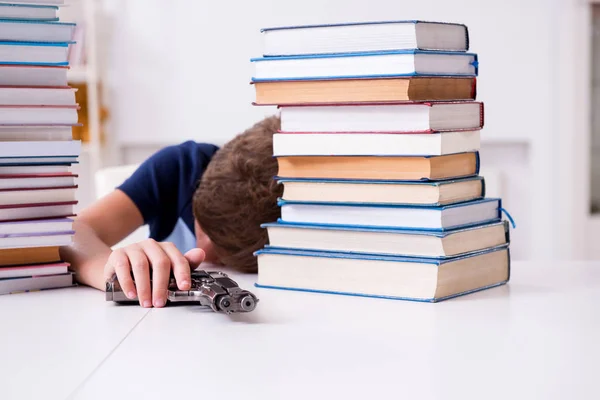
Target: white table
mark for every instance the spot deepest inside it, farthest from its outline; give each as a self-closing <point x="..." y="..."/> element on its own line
<point x="52" y="340"/>
<point x="537" y="338"/>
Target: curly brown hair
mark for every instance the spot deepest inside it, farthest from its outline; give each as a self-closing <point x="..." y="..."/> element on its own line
<point x="237" y="193"/>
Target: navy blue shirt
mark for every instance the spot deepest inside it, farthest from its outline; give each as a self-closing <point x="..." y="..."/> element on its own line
<point x="163" y="187"/>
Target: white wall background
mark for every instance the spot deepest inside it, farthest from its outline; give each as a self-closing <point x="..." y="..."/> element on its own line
<point x="180" y="70"/>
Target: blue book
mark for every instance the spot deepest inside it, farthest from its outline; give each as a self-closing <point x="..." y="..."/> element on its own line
<point x="12" y="30"/>
<point x="354" y="37"/>
<point x="34" y="53"/>
<point x="388" y="241"/>
<point x="365" y="65"/>
<point x="31" y="12"/>
<point x="388" y="277"/>
<point x="435" y="218"/>
<point x="383" y="192"/>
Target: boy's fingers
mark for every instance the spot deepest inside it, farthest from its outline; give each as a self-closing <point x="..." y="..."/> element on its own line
<point x="195" y="257"/>
<point x="141" y="274"/>
<point x="161" y="271"/>
<point x="119" y="264"/>
<point x="180" y="265"/>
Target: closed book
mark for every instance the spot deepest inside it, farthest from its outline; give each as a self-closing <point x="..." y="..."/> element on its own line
<point x="34" y="53"/>
<point x="390" y="241"/>
<point x="36" y="181"/>
<point x="28" y="240"/>
<point x="389" y="277"/>
<point x="325" y="91"/>
<point x="379" y="144"/>
<point x="37" y="96"/>
<point x="20" y="212"/>
<point x="365" y="65"/>
<point x="35" y="160"/>
<point x="46" y="195"/>
<point x="364" y="37"/>
<point x="35" y="283"/>
<point x="40" y="149"/>
<point x="28" y="12"/>
<point x="32" y="168"/>
<point x="35" y="133"/>
<point x="33" y="75"/>
<point x="36" y="31"/>
<point x="410" y="168"/>
<point x="38" y="255"/>
<point x="39" y="227"/>
<point x="38" y="115"/>
<point x="26" y="271"/>
<point x="40" y="2"/>
<point x="437" y="218"/>
<point x="386" y="117"/>
<point x="383" y="192"/>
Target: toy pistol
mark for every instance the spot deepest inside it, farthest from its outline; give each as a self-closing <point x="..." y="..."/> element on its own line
<point x="212" y="289"/>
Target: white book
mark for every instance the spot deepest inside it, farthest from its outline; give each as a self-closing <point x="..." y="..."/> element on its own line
<point x="33" y="168"/>
<point x="363" y="118"/>
<point x="33" y="75"/>
<point x="36" y="31"/>
<point x="393" y="216"/>
<point x="29" y="161"/>
<point x="37" y="96"/>
<point x="364" y="37"/>
<point x="379" y="144"/>
<point x="29" y="12"/>
<point x="9" y="197"/>
<point x="36" y="226"/>
<point x="406" y="242"/>
<point x="355" y="65"/>
<point x="42" y="115"/>
<point x="383" y="192"/>
<point x="39" y="2"/>
<point x="16" y="285"/>
<point x="29" y="241"/>
<point x="33" y="270"/>
<point x="29" y="133"/>
<point x="40" y="149"/>
<point x="390" y="277"/>
<point x="34" y="53"/>
<point x="36" y="181"/>
<point x="34" y="211"/>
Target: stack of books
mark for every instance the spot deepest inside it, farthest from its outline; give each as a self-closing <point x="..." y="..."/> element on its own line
<point x="37" y="113"/>
<point x="378" y="156"/>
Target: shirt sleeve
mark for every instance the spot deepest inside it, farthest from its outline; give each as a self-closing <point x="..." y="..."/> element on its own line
<point x="165" y="182"/>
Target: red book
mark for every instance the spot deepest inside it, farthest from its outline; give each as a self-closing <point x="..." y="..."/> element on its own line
<point x="396" y="117"/>
<point x="22" y="212"/>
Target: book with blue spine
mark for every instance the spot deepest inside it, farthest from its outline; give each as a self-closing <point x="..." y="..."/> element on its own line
<point x="437" y="218"/>
<point x="365" y="65"/>
<point x="380" y="276"/>
<point x="388" y="241"/>
<point x="34" y="53"/>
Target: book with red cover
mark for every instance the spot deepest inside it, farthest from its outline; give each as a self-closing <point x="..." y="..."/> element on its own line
<point x="23" y="271"/>
<point x="31" y="181"/>
<point x="22" y="212"/>
<point x="387" y="117"/>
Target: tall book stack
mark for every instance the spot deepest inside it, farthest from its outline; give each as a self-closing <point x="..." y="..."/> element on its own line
<point x="37" y="113"/>
<point x="378" y="156"/>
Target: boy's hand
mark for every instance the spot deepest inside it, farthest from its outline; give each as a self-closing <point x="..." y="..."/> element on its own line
<point x="159" y="259"/>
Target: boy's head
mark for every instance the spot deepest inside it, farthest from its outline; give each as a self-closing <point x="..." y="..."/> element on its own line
<point x="237" y="193"/>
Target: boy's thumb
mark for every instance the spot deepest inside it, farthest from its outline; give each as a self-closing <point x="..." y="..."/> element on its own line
<point x="195" y="257"/>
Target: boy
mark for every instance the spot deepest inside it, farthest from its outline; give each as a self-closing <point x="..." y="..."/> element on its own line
<point x="201" y="204"/>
